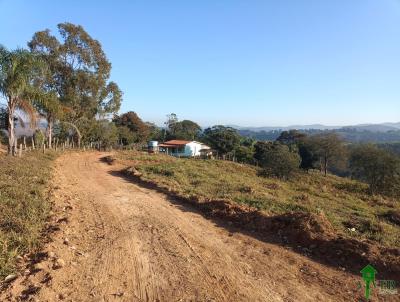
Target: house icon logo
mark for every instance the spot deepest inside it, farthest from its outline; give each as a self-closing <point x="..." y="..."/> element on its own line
<point x="368" y="275"/>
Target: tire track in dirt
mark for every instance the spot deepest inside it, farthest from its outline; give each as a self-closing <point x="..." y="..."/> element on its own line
<point x="135" y="245"/>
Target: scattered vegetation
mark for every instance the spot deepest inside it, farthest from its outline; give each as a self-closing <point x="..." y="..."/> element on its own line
<point x="379" y="168"/>
<point x="346" y="203"/>
<point x="23" y="206"/>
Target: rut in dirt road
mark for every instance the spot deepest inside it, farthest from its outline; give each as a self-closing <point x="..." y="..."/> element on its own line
<point x="128" y="243"/>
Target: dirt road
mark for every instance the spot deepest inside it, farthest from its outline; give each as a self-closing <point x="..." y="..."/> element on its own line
<point x="122" y="242"/>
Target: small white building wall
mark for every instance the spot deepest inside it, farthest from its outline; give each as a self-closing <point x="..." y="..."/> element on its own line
<point x="193" y="149"/>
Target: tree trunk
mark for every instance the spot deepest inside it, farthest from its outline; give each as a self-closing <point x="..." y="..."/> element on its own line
<point x="11" y="133"/>
<point x="325" y="165"/>
<point x="49" y="132"/>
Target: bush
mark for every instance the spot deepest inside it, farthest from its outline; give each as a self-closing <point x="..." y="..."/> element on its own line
<point x="39" y="138"/>
<point x="244" y="154"/>
<point x="277" y="160"/>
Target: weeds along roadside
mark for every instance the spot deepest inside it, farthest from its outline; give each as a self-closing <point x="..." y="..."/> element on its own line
<point x="24" y="206"/>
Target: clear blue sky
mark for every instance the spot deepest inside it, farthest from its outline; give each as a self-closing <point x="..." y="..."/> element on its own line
<point x="255" y="63"/>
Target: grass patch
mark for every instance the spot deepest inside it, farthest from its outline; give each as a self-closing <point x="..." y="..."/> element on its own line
<point x="23" y="205"/>
<point x="344" y="202"/>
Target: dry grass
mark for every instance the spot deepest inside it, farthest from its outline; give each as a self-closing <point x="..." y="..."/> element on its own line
<point x="344" y="202"/>
<point x="23" y="205"/>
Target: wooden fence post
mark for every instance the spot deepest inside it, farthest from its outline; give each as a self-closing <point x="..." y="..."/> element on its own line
<point x="15" y="149"/>
<point x="20" y="150"/>
<point x="44" y="148"/>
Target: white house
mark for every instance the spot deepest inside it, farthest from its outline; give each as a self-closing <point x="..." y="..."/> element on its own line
<point x="182" y="148"/>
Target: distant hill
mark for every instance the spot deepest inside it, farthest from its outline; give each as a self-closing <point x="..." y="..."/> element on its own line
<point x="374" y="133"/>
<point x="383" y="127"/>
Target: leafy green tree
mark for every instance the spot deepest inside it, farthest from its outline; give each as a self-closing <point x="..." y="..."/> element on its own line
<point x="221" y="138"/>
<point x="299" y="142"/>
<point x="377" y="167"/>
<point x="126" y="136"/>
<point x="247" y="142"/>
<point x="260" y="149"/>
<point x="134" y="123"/>
<point x="277" y="160"/>
<point x="308" y="154"/>
<point x="186" y="130"/>
<point x="18" y="71"/>
<point x="104" y="132"/>
<point x="155" y="132"/>
<point x="329" y="147"/>
<point x="79" y="73"/>
<point x="244" y="154"/>
<point x="290" y="137"/>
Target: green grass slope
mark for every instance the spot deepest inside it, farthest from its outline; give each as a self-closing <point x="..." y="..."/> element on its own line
<point x="344" y="202"/>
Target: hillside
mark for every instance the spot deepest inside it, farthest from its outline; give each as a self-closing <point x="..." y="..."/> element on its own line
<point x="329" y="219"/>
<point x="352" y="134"/>
<point x="382" y="127"/>
<point x="344" y="202"/>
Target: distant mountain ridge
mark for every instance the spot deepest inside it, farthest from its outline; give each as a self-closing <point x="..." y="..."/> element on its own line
<point x="382" y="127"/>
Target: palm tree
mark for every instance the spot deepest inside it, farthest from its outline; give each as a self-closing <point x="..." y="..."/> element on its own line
<point x="19" y="69"/>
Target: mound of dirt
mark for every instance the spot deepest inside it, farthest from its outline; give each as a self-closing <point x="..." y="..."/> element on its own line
<point x="109" y="159"/>
<point x="308" y="226"/>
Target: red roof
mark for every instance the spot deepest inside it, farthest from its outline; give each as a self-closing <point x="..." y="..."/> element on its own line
<point x="177" y="142"/>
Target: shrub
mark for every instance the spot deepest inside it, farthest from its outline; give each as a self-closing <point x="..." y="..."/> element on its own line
<point x="244" y="154"/>
<point x="277" y="160"/>
<point x="39" y="138"/>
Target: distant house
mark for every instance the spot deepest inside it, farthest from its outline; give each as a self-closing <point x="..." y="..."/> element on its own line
<point x="181" y="148"/>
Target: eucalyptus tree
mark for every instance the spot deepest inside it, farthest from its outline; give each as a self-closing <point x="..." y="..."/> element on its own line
<point x="19" y="70"/>
<point x="79" y="73"/>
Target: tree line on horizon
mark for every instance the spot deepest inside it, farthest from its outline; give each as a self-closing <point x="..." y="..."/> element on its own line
<point x="349" y="134"/>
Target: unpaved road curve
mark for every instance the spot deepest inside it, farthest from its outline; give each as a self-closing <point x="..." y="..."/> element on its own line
<point x="129" y="243"/>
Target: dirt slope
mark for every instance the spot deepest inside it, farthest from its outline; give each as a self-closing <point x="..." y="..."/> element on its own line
<point x="121" y="242"/>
